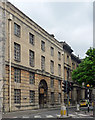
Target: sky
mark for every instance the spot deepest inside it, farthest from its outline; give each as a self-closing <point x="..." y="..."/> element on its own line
<point x="69" y="21"/>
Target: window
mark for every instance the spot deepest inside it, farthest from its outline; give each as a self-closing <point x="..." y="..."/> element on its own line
<point x="73" y="65"/>
<point x="52" y="82"/>
<point x="17" y="52"/>
<point x="31" y="58"/>
<point x="32" y="78"/>
<point x="31" y="38"/>
<point x="52" y="66"/>
<point x="16" y="30"/>
<point x="17" y="96"/>
<point x="43" y="45"/>
<point x="52" y="97"/>
<point x="42" y="62"/>
<point x="59" y="55"/>
<point x="67" y="59"/>
<point x="17" y="75"/>
<point x="52" y="51"/>
<point x="59" y="98"/>
<point x="59" y="69"/>
<point x="59" y="83"/>
<point x="32" y="96"/>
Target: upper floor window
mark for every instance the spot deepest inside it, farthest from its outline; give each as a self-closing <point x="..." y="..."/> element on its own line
<point x="31" y="38"/>
<point x="31" y="58"/>
<point x="43" y="45"/>
<point x="52" y="66"/>
<point x="17" y="96"/>
<point x="73" y="65"/>
<point x="32" y="78"/>
<point x="42" y="62"/>
<point x="67" y="59"/>
<point x="52" y="51"/>
<point x="16" y="29"/>
<point x="59" y="55"/>
<point x="59" y="84"/>
<point x="16" y="52"/>
<point x="17" y="75"/>
<point x="59" y="69"/>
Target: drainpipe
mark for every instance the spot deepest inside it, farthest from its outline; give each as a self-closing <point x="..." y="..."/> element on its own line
<point x="10" y="19"/>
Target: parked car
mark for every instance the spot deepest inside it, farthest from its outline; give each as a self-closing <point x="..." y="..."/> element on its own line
<point x="83" y="103"/>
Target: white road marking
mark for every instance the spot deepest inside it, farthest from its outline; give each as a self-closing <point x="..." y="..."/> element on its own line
<point x="25" y="116"/>
<point x="49" y="116"/>
<point x="37" y="116"/>
<point x="58" y="115"/>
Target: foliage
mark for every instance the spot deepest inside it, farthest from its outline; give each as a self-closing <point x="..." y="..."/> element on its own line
<point x="85" y="72"/>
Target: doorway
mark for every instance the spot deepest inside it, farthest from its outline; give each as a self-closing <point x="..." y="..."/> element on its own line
<point x="43" y="88"/>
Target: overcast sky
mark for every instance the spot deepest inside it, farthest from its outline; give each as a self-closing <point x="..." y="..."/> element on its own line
<point x="68" y="21"/>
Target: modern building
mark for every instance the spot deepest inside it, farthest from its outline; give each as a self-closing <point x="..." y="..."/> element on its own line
<point x="35" y="64"/>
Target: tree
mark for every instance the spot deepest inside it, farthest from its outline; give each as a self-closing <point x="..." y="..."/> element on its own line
<point x="85" y="72"/>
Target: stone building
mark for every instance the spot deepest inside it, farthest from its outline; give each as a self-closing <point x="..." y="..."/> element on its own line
<point x="71" y="62"/>
<point x="35" y="64"/>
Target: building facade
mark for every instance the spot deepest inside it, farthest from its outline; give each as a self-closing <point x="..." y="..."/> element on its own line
<point x="35" y="64"/>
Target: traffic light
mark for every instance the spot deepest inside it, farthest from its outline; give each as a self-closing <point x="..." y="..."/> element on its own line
<point x="64" y="86"/>
<point x="69" y="86"/>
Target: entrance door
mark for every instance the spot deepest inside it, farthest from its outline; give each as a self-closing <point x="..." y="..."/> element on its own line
<point x="43" y="94"/>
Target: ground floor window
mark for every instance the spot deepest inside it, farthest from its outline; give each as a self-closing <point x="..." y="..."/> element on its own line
<point x="52" y="97"/>
<point x="59" y="98"/>
<point x="17" y="96"/>
<point x="32" y="96"/>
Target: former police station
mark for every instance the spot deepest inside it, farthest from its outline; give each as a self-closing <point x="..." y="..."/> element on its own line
<point x="36" y="64"/>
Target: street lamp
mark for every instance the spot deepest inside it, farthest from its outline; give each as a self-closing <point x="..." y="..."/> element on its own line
<point x="88" y="95"/>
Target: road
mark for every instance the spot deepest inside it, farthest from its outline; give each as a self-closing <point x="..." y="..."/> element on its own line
<point x="49" y="113"/>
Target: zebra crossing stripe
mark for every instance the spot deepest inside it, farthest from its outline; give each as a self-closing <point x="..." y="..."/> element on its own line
<point x="49" y="116"/>
<point x="37" y="116"/>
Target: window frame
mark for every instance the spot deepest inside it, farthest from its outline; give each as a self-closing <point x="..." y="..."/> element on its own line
<point x="17" y="78"/>
<point x="31" y="58"/>
<point x="17" y="96"/>
<point x="31" y="38"/>
<point x="42" y="45"/>
<point x="17" y="52"/>
<point x="43" y="63"/>
<point x="31" y="98"/>
<point x="17" y="30"/>
<point x="52" y="66"/>
<point x="52" y="51"/>
<point x="32" y="79"/>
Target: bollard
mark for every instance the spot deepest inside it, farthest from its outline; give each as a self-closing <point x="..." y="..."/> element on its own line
<point x="78" y="108"/>
<point x="63" y="111"/>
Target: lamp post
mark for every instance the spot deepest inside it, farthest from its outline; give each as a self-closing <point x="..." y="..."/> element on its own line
<point x="88" y="95"/>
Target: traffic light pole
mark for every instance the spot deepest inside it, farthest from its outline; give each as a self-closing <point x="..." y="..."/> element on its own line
<point x="88" y="98"/>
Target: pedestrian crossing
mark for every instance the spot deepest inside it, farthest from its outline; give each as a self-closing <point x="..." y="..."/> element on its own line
<point x="76" y="115"/>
